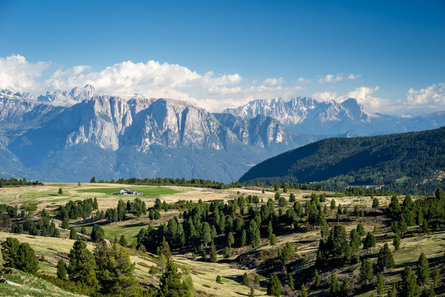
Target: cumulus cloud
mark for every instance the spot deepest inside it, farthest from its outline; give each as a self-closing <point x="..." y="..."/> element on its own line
<point x="273" y="81"/>
<point x="150" y="79"/>
<point x="329" y="78"/>
<point x="432" y="95"/>
<point x="18" y="74"/>
<point x="363" y="95"/>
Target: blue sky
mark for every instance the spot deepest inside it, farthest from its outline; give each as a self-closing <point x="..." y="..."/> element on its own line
<point x="234" y="50"/>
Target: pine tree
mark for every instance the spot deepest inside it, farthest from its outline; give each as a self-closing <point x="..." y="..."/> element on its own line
<point x="230" y="239"/>
<point x="254" y="234"/>
<point x="409" y="287"/>
<point x="375" y="203"/>
<point x="123" y="241"/>
<point x="291" y="282"/>
<point x="243" y="239"/>
<point x="345" y="285"/>
<point x="436" y="276"/>
<point x="65" y="223"/>
<point x="60" y="192"/>
<point x="82" y="266"/>
<point x="355" y="241"/>
<point x="423" y="270"/>
<point x="165" y="249"/>
<point x="213" y="255"/>
<point x="396" y="242"/>
<point x="245" y="280"/>
<point x="366" y="271"/>
<point x="252" y="292"/>
<point x="379" y="287"/>
<point x="274" y="286"/>
<point x="369" y="241"/>
<point x="360" y="229"/>
<point x="26" y="259"/>
<point x="61" y="270"/>
<point x="316" y="279"/>
<point x="114" y="270"/>
<point x="303" y="291"/>
<point x="218" y="279"/>
<point x="334" y="287"/>
<point x="172" y="284"/>
<point x="73" y="234"/>
<point x="206" y="236"/>
<point x="97" y="233"/>
<point x="384" y="258"/>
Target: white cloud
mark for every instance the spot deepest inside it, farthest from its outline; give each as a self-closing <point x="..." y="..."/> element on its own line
<point x="18" y="74"/>
<point x="432" y="95"/>
<point x="337" y="78"/>
<point x="273" y="81"/>
<point x="302" y="80"/>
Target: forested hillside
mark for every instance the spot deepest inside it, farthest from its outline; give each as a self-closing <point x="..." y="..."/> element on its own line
<point x="409" y="162"/>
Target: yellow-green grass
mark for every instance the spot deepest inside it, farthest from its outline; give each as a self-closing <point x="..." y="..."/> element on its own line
<point x="47" y="195"/>
<point x="203" y="273"/>
<point x="30" y="285"/>
<point x="147" y="191"/>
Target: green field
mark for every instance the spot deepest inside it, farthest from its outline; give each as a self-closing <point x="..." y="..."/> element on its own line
<point x="147" y="191"/>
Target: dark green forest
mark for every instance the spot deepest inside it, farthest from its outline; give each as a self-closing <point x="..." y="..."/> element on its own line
<point x="408" y="163"/>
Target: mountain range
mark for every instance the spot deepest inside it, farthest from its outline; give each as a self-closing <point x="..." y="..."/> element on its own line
<point x="66" y="136"/>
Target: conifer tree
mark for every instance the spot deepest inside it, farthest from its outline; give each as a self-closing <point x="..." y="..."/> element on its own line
<point x="360" y="229"/>
<point x="245" y="280"/>
<point x="230" y="239"/>
<point x="252" y="292"/>
<point x="213" y="255"/>
<point x="366" y="272"/>
<point x="291" y="282"/>
<point x="423" y="270"/>
<point x="316" y="279"/>
<point x="73" y="234"/>
<point x="82" y="266"/>
<point x="303" y="291"/>
<point x="379" y="287"/>
<point x="409" y="287"/>
<point x="396" y="242"/>
<point x="345" y="286"/>
<point x="384" y="258"/>
<point x="243" y="239"/>
<point x="26" y="259"/>
<point x="334" y="287"/>
<point x="61" y="270"/>
<point x="274" y="286"/>
<point x="123" y="241"/>
<point x="173" y="284"/>
<point x="369" y="241"/>
<point x="114" y="270"/>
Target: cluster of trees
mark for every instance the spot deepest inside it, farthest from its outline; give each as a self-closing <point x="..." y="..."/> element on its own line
<point x="239" y="222"/>
<point x="77" y="209"/>
<point x="159" y="181"/>
<point x="360" y="191"/>
<point x="428" y="213"/>
<point x="18" y="255"/>
<point x="44" y="227"/>
<point x="18" y="182"/>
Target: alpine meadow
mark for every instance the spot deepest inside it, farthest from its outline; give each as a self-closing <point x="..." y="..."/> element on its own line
<point x="222" y="148"/>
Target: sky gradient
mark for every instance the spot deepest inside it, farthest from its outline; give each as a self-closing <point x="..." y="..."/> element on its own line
<point x="391" y="53"/>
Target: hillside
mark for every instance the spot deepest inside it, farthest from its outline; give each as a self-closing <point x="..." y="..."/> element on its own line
<point x="413" y="162"/>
